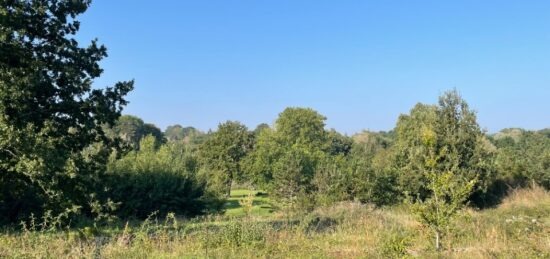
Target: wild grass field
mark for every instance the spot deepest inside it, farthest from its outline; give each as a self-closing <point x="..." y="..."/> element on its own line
<point x="518" y="228"/>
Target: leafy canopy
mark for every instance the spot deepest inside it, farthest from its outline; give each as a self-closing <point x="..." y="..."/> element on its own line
<point x="221" y="155"/>
<point x="450" y="131"/>
<point x="53" y="148"/>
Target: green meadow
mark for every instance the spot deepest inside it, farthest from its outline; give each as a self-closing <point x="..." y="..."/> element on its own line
<point x="261" y="205"/>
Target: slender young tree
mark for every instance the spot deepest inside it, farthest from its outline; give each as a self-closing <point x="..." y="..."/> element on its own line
<point x="449" y="192"/>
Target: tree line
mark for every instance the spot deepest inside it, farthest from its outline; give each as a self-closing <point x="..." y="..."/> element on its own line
<point x="301" y="163"/>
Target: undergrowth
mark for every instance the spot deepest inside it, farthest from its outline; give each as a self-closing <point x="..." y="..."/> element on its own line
<point x="518" y="228"/>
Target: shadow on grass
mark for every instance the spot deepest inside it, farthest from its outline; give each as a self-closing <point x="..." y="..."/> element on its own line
<point x="232" y="204"/>
<point x="260" y="200"/>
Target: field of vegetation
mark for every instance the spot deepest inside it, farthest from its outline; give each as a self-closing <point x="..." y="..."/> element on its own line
<point x="80" y="180"/>
<point x="517" y="228"/>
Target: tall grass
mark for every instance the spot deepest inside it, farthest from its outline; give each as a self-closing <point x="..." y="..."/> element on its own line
<point x="518" y="228"/>
<point x="531" y="197"/>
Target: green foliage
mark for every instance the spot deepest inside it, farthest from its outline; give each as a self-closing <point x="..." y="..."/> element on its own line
<point x="247" y="203"/>
<point x="53" y="149"/>
<point x="299" y="162"/>
<point x="159" y="180"/>
<point x="517" y="228"/>
<point x="449" y="194"/>
<point x="338" y="144"/>
<point x="333" y="180"/>
<point x="285" y="159"/>
<point x="301" y="126"/>
<point x="508" y="136"/>
<point x="373" y="178"/>
<point x="545" y="132"/>
<point x="373" y="184"/>
<point x="524" y="159"/>
<point x="448" y="138"/>
<point x="151" y="129"/>
<point x="188" y="135"/>
<point x="368" y="142"/>
<point x="235" y="234"/>
<point x="260" y="127"/>
<point x="410" y="150"/>
<point x="258" y="165"/>
<point x="131" y="129"/>
<point x="221" y="155"/>
<point x="292" y="177"/>
<point x="395" y="243"/>
<point x="240" y="199"/>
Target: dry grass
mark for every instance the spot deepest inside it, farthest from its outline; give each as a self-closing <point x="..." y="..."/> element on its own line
<point x="519" y="228"/>
<point x="528" y="197"/>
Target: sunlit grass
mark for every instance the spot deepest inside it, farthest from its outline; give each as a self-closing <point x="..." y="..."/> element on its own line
<point x="262" y="205"/>
<point x="518" y="228"/>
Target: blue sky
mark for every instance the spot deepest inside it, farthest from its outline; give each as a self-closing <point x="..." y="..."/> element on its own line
<point x="360" y="63"/>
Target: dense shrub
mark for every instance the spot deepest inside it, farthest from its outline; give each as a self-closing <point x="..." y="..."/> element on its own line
<point x="159" y="180"/>
<point x="523" y="158"/>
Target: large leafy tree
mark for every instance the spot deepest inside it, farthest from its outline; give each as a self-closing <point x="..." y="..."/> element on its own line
<point x="456" y="144"/>
<point x="52" y="145"/>
<point x="221" y="155"/>
<point x="260" y="127"/>
<point x="131" y="129"/>
<point x="285" y="158"/>
<point x="301" y="126"/>
<point x="177" y="132"/>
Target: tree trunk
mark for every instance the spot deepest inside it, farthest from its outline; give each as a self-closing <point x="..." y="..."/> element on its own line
<point x="229" y="183"/>
<point x="437" y="240"/>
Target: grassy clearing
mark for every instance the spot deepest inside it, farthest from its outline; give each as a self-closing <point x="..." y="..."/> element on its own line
<point x="261" y="205"/>
<point x="519" y="228"/>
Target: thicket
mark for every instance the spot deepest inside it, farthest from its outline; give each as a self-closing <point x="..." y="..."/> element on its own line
<point x="158" y="180"/>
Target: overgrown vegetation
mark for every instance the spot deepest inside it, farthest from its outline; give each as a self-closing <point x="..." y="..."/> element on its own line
<point x="77" y="179"/>
<point x="518" y="228"/>
<point x="159" y="180"/>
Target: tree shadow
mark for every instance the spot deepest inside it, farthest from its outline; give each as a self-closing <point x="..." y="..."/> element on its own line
<point x="232" y="204"/>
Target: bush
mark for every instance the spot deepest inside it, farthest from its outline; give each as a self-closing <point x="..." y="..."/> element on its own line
<point x="163" y="181"/>
<point x="524" y="160"/>
<point x="141" y="194"/>
<point x="394" y="243"/>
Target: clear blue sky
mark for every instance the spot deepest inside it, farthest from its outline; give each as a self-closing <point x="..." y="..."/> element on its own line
<point x="360" y="63"/>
